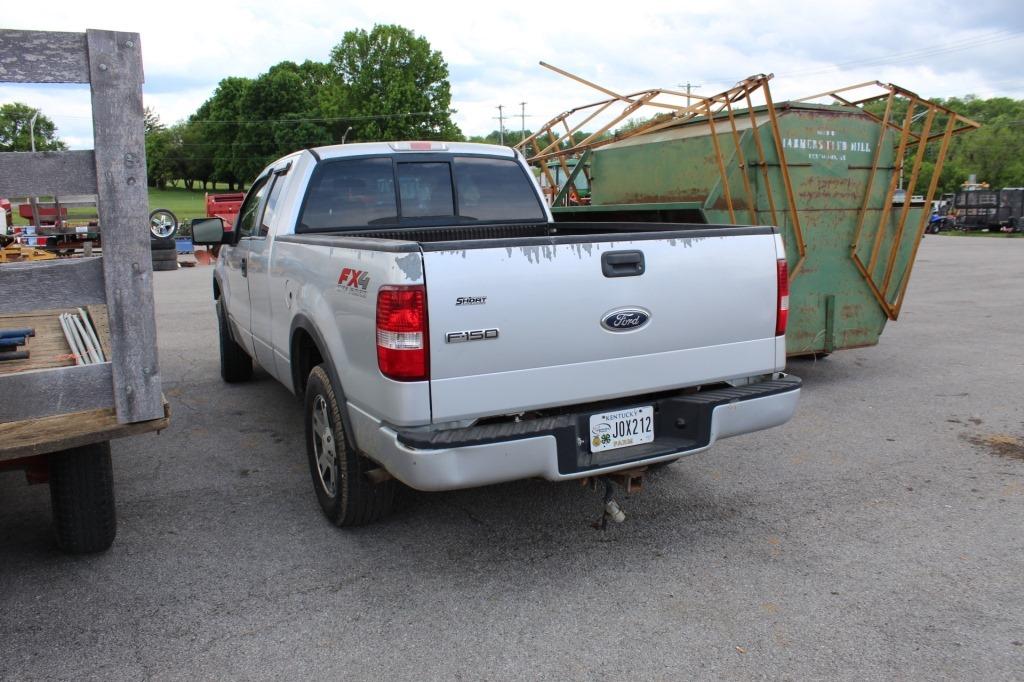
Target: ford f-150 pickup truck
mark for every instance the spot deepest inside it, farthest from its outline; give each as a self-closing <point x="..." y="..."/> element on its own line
<point x="444" y="332"/>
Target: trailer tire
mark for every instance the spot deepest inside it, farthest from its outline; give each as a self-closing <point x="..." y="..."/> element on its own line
<point x="82" y="498"/>
<point x="162" y="244"/>
<point x="235" y="363"/>
<point x="346" y="495"/>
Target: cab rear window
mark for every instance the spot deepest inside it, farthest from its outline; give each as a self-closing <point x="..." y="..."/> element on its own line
<point x="350" y="194"/>
<point x="492" y="190"/>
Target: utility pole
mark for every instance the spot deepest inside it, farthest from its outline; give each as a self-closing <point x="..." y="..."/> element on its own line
<point x="522" y="121"/>
<point x="32" y="129"/>
<point x="688" y="85"/>
<point x="501" y="124"/>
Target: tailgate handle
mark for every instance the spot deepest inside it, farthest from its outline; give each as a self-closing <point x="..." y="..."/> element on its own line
<point x="622" y="263"/>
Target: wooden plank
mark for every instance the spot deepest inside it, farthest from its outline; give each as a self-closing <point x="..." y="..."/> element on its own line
<point x="46" y="392"/>
<point x="51" y="284"/>
<point x="61" y="432"/>
<point x="115" y="70"/>
<point x="47" y="173"/>
<point x="98" y="313"/>
<point x="49" y="347"/>
<point x="42" y="57"/>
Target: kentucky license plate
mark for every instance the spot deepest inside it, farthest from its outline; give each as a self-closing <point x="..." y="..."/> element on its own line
<point x="622" y="428"/>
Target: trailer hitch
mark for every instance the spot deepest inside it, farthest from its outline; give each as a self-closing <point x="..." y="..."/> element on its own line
<point x="631" y="480"/>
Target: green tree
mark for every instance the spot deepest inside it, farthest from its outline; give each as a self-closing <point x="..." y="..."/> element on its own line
<point x="16" y="129"/>
<point x="223" y="118"/>
<point x="994" y="153"/>
<point x="282" y="112"/>
<point x="159" y="150"/>
<point x="392" y="85"/>
<point x="194" y="162"/>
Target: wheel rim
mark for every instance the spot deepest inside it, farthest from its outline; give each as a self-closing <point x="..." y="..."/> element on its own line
<point x="162" y="225"/>
<point x="324" y="447"/>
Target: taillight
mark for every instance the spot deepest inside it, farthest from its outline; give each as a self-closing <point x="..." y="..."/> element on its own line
<point x="782" y="298"/>
<point x="402" y="352"/>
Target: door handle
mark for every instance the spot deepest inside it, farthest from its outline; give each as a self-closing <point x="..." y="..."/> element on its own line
<point x="622" y="263"/>
<point x="245" y="272"/>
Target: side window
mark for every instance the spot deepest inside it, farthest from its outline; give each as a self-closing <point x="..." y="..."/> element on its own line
<point x="246" y="224"/>
<point x="426" y="190"/>
<point x="271" y="210"/>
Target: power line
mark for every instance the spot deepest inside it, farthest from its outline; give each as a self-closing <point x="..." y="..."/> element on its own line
<point x="315" y="120"/>
<point x="282" y="120"/>
<point x="911" y="55"/>
<point x="958" y="45"/>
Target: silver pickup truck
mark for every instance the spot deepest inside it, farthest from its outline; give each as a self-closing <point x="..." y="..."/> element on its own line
<point x="444" y="332"/>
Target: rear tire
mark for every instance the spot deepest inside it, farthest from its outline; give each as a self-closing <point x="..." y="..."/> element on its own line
<point x="235" y="363"/>
<point x="82" y="498"/>
<point x="346" y="495"/>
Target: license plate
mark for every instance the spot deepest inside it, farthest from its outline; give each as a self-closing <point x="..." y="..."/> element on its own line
<point x="622" y="428"/>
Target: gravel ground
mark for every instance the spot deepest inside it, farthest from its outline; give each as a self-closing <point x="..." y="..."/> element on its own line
<point x="878" y="535"/>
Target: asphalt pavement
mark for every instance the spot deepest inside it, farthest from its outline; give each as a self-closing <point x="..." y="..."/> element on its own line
<point x="879" y="535"/>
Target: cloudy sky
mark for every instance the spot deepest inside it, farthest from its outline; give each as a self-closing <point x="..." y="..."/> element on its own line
<point x="933" y="48"/>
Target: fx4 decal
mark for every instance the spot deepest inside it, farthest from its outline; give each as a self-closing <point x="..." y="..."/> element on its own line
<point x="354" y="281"/>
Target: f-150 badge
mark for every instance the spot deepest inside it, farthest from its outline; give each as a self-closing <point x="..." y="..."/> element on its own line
<point x="354" y="281"/>
<point x="471" y="335"/>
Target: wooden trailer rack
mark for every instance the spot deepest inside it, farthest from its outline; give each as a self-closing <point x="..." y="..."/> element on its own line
<point x="56" y="416"/>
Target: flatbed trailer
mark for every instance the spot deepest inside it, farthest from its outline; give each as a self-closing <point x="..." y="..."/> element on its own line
<point x="224" y="206"/>
<point x="58" y="410"/>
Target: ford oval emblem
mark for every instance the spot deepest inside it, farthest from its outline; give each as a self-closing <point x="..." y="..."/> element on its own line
<point x="625" y="319"/>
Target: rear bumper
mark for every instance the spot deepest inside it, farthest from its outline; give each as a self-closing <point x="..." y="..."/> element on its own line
<point x="556" y="448"/>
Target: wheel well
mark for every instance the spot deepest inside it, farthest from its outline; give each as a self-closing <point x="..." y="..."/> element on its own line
<point x="216" y="290"/>
<point x="305" y="356"/>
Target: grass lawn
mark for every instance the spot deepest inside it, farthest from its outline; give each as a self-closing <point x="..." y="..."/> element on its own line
<point x="179" y="201"/>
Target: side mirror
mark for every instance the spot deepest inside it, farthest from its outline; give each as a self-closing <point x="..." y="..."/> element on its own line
<point x="210" y="232"/>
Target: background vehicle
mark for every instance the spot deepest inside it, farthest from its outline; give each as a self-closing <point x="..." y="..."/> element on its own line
<point x="1010" y="215"/>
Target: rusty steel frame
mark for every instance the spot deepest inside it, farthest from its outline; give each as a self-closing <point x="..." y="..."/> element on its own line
<point x="701" y="109"/>
<point x="696" y="109"/>
<point x="909" y="142"/>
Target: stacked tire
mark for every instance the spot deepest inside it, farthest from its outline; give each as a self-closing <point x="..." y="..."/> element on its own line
<point x="165" y="253"/>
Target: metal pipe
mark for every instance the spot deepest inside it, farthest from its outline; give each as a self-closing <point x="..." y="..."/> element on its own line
<point x="883" y="129"/>
<point x="70" y="338"/>
<point x="786" y="183"/>
<point x="901" y="152"/>
<point x="91" y="328"/>
<point x="94" y="358"/>
<point x="762" y="159"/>
<point x="17" y="331"/>
<point x="936" y="172"/>
<point x="908" y="197"/>
<point x="726" y="193"/>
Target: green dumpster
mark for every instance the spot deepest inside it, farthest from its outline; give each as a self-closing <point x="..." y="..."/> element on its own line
<point x="826" y="175"/>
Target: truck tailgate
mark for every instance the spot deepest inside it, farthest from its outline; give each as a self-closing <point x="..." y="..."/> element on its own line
<point x="522" y="326"/>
